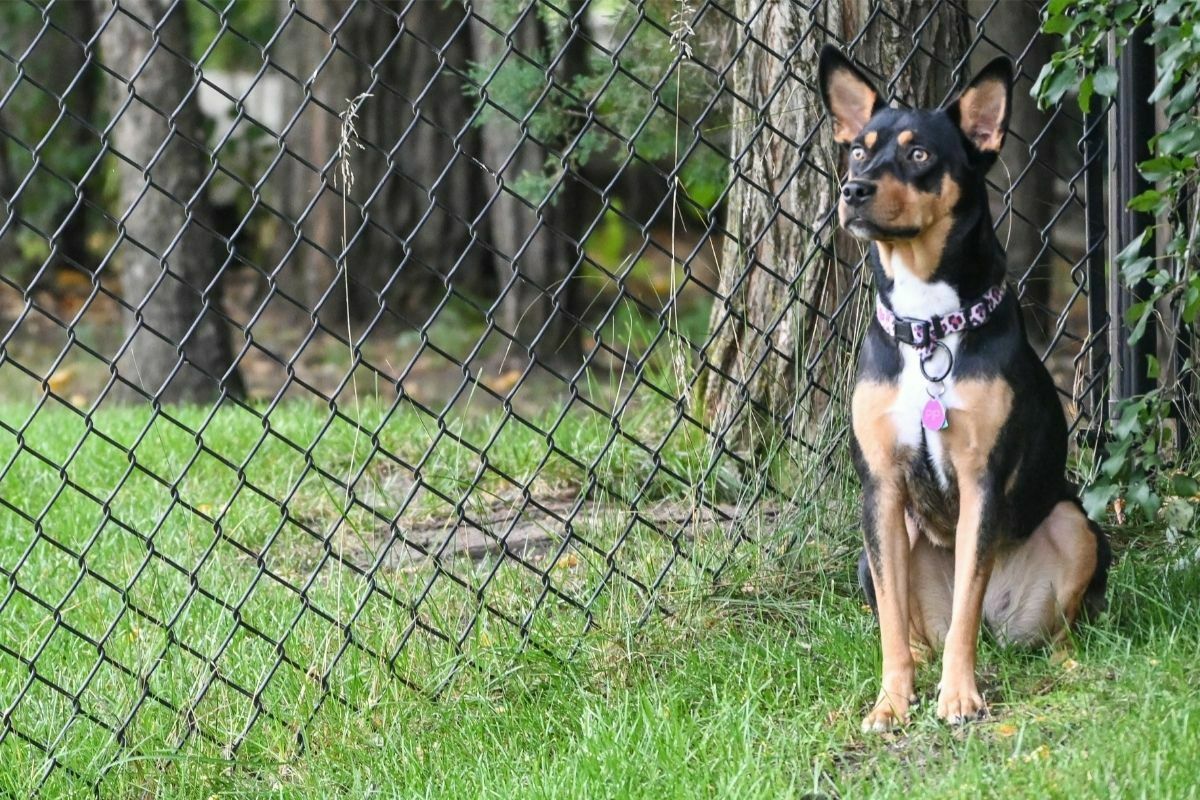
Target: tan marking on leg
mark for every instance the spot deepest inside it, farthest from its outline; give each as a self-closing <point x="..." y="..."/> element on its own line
<point x="871" y="419"/>
<point x="984" y="407"/>
<point x="876" y="437"/>
<point x="891" y="596"/>
<point x="969" y="441"/>
<point x="959" y="699"/>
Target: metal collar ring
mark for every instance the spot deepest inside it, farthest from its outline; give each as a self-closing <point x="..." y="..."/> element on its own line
<point x="932" y="354"/>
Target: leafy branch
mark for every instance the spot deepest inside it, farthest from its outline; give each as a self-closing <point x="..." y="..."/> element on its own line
<point x="1134" y="466"/>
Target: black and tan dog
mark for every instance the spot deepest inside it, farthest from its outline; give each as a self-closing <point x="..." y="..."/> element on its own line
<point x="959" y="437"/>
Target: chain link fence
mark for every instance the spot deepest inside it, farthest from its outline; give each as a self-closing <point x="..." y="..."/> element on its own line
<point x="351" y="346"/>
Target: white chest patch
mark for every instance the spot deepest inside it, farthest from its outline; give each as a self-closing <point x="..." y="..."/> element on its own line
<point x="913" y="297"/>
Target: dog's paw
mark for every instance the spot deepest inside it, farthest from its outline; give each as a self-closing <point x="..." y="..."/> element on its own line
<point x="959" y="703"/>
<point x="890" y="712"/>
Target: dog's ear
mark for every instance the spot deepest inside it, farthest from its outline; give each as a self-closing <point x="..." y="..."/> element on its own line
<point x="984" y="107"/>
<point x="849" y="96"/>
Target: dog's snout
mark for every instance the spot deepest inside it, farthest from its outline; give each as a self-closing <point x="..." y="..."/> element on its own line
<point x="855" y="193"/>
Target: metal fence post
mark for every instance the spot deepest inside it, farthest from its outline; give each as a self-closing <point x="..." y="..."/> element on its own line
<point x="1130" y="128"/>
<point x="1095" y="233"/>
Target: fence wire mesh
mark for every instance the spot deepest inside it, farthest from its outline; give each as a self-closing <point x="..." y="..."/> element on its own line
<point x="349" y="346"/>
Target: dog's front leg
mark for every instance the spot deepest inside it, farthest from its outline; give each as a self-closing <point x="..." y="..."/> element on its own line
<point x="959" y="699"/>
<point x="970" y="441"/>
<point x="887" y="546"/>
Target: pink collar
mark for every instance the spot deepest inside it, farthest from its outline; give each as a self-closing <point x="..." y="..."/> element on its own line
<point x="924" y="334"/>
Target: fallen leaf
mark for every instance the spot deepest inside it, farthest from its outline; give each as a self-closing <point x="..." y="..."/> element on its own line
<point x="1040" y="754"/>
<point x="567" y="561"/>
<point x="61" y="380"/>
<point x="505" y="381"/>
<point x="1006" y="730"/>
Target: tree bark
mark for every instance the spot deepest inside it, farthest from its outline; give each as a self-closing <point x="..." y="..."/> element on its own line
<point x="783" y="271"/>
<point x="179" y="345"/>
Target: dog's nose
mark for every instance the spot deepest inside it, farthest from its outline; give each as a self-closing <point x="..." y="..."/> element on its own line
<point x="855" y="193"/>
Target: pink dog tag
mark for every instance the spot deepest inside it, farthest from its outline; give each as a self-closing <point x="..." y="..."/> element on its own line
<point x="933" y="417"/>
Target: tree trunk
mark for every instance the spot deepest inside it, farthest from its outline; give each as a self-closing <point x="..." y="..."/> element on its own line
<point x="534" y="226"/>
<point x="78" y="20"/>
<point x="783" y="272"/>
<point x="179" y="345"/>
<point x="416" y="187"/>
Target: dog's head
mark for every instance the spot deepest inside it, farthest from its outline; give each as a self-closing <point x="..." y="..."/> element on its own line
<point x="908" y="168"/>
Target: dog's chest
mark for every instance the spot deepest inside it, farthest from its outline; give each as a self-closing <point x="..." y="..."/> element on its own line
<point x="912" y="297"/>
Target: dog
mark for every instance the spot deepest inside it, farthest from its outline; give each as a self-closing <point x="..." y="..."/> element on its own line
<point x="959" y="439"/>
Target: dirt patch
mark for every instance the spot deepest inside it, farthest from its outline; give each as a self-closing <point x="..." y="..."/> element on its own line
<point x="534" y="527"/>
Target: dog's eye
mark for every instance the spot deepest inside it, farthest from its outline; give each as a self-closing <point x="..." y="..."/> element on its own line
<point x="919" y="154"/>
<point x="857" y="153"/>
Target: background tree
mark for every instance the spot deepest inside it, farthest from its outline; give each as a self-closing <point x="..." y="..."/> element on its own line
<point x="528" y="65"/>
<point x="171" y="259"/>
<point x="47" y="111"/>
<point x="783" y="270"/>
<point x="417" y="186"/>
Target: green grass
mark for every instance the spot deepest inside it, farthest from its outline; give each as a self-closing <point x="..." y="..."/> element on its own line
<point x="759" y="694"/>
<point x="755" y="689"/>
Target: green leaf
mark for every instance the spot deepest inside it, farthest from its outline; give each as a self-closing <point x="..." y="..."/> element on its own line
<point x="1085" y="94"/>
<point x="1191" y="301"/>
<point x="1184" y="485"/>
<point x="1060" y="25"/>
<point x="1112" y="466"/>
<point x="1179" y="138"/>
<point x="1123" y="12"/>
<point x="1096" y="499"/>
<point x="1146" y="201"/>
<point x="1106" y="80"/>
<point x="1184" y="97"/>
<point x="1054" y="82"/>
<point x="1139" y="325"/>
<point x="1137" y="312"/>
<point x="1132" y="250"/>
<point x="1136" y="270"/>
<point x="1130" y="421"/>
<point x="1166" y="81"/>
<point x="1144" y="497"/>
<point x="1178" y="513"/>
<point x="1162" y="167"/>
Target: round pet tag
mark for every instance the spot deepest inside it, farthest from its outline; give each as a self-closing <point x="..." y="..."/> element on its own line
<point x="933" y="417"/>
